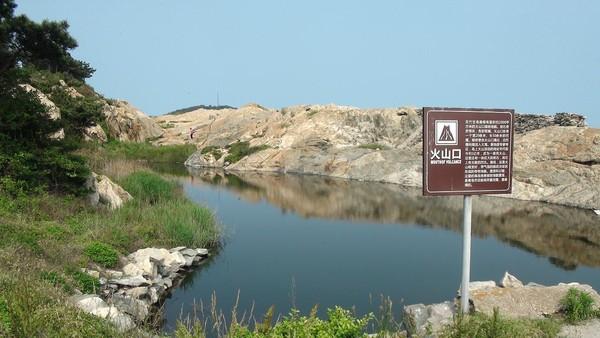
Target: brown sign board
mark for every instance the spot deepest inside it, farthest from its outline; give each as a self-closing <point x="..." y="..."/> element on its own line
<point x="467" y="151"/>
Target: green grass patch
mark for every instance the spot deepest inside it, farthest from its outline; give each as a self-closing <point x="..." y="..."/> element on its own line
<point x="146" y="151"/>
<point x="213" y="150"/>
<point x="28" y="308"/>
<point x="339" y="323"/>
<point x="496" y="326"/>
<point x="373" y="146"/>
<point x="148" y="187"/>
<point x="578" y="306"/>
<point x="84" y="282"/>
<point x="239" y="150"/>
<point x="102" y="254"/>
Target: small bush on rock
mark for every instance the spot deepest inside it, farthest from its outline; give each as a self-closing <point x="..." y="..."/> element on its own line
<point x="577" y="306"/>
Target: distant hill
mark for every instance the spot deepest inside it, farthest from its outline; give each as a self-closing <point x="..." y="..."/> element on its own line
<point x="189" y="109"/>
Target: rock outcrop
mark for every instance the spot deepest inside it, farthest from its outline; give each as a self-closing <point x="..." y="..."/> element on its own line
<point x="531" y="301"/>
<point x="127" y="123"/>
<point x="129" y="296"/>
<point x="106" y="192"/>
<point x="556" y="158"/>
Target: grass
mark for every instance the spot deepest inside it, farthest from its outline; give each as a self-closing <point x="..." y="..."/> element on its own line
<point x="495" y="326"/>
<point x="145" y="151"/>
<point x="213" y="150"/>
<point x="339" y="323"/>
<point x="239" y="150"/>
<point x="373" y="146"/>
<point x="45" y="240"/>
<point x="578" y="306"/>
<point x="102" y="254"/>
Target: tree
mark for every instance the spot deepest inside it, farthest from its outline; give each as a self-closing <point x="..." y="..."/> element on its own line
<point x="45" y="45"/>
<point x="38" y="53"/>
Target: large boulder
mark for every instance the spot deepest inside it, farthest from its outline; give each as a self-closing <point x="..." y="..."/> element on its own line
<point x="421" y="320"/>
<point x="105" y="192"/>
<point x="531" y="301"/>
<point x="127" y="123"/>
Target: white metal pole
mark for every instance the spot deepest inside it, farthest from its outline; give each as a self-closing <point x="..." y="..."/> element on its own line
<point x="466" y="263"/>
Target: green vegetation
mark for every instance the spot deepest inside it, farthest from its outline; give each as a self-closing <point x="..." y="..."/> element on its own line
<point x="29" y="308"/>
<point x="144" y="151"/>
<point x="578" y="306"/>
<point x="495" y="326"/>
<point x="340" y="323"/>
<point x="31" y="156"/>
<point x="102" y="254"/>
<point x="373" y="146"/>
<point x="46" y="238"/>
<point x="213" y="150"/>
<point x="239" y="150"/>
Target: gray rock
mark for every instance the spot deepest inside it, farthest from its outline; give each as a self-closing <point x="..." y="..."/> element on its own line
<point x="132" y="270"/>
<point x="189" y="252"/>
<point x="137" y="292"/>
<point x="112" y="274"/>
<point x="189" y="260"/>
<point x="135" y="307"/>
<point x="202" y="251"/>
<point x="88" y="303"/>
<point x="510" y="281"/>
<point x="154" y="295"/>
<point x="122" y="321"/>
<point x="426" y="320"/>
<point x="179" y="248"/>
<point x="131" y="281"/>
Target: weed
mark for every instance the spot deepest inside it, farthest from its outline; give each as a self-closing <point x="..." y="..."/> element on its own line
<point x="148" y="187"/>
<point x="85" y="282"/>
<point x="577" y="306"/>
<point x="102" y="254"/>
<point x="495" y="326"/>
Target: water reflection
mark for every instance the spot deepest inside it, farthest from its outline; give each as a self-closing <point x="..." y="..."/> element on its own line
<point x="568" y="237"/>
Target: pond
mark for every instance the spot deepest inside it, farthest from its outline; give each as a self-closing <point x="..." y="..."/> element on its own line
<point x="294" y="240"/>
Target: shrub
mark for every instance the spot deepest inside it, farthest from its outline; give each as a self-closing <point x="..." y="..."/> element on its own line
<point x="102" y="254"/>
<point x="239" y="150"/>
<point x="577" y="306"/>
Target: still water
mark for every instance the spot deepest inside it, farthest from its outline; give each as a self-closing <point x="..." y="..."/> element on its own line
<point x="305" y="240"/>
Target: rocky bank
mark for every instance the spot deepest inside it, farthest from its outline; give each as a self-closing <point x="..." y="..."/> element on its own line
<point x="557" y="158"/>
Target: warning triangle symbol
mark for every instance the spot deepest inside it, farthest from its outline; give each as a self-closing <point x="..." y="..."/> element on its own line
<point x="446" y="135"/>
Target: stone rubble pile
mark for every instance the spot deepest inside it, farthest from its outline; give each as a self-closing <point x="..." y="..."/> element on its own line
<point x="126" y="296"/>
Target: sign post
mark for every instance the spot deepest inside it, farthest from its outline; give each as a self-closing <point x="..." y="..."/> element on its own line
<point x="467" y="152"/>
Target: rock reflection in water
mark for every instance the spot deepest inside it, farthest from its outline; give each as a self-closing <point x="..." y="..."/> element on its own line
<point x="567" y="236"/>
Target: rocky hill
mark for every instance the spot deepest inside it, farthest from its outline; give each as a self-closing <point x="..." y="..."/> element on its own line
<point x="557" y="158"/>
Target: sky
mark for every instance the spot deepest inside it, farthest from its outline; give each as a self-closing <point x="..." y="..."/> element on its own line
<point x="536" y="56"/>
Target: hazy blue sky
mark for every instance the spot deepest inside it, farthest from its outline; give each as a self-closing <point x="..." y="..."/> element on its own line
<point x="534" y="56"/>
